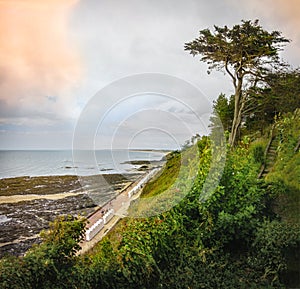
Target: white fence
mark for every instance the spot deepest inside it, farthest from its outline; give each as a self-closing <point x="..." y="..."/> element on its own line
<point x="140" y="184"/>
<point x="108" y="215"/>
<point x="98" y="226"/>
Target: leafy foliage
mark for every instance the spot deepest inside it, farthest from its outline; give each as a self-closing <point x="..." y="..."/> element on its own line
<point x="51" y="264"/>
<point x="274" y="241"/>
<point x="258" y="153"/>
<point x="196" y="244"/>
<point x="278" y="94"/>
<point x="232" y="239"/>
<point x="286" y="171"/>
<point x="243" y="52"/>
<point x="245" y="47"/>
<point x="223" y="111"/>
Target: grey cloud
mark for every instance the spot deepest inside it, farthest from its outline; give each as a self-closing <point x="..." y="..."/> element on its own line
<point x="120" y="38"/>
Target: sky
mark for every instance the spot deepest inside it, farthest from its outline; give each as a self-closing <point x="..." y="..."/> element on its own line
<point x="57" y="57"/>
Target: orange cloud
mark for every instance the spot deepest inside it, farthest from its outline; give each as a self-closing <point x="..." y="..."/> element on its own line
<point x="289" y="8"/>
<point x="36" y="55"/>
<point x="286" y="12"/>
<point x="289" y="12"/>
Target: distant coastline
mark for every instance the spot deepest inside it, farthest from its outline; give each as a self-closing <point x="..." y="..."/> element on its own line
<point x="32" y="163"/>
<point x="29" y="203"/>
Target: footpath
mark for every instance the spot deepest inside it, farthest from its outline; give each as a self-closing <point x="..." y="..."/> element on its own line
<point x="118" y="206"/>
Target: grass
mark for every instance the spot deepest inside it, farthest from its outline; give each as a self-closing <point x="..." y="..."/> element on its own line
<point x="166" y="178"/>
<point x="288" y="202"/>
<point x="286" y="169"/>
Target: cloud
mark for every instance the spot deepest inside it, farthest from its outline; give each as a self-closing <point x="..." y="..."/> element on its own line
<point x="37" y="59"/>
<point x="278" y="10"/>
<point x="42" y="82"/>
<point x="143" y="120"/>
<point x="278" y="15"/>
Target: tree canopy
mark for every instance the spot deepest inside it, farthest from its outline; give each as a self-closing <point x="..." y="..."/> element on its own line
<point x="279" y="93"/>
<point x="244" y="52"/>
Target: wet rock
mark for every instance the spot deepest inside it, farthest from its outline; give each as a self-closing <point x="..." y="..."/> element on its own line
<point x="21" y="222"/>
<point x="26" y="219"/>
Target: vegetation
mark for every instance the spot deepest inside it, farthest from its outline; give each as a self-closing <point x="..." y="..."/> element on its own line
<point x="222" y="117"/>
<point x="242" y="233"/>
<point x="244" y="51"/>
<point x="166" y="178"/>
<point x="286" y="170"/>
<point x="49" y="265"/>
<point x="279" y="94"/>
<point x="234" y="239"/>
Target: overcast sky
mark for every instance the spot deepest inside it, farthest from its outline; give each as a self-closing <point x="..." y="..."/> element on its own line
<point x="56" y="55"/>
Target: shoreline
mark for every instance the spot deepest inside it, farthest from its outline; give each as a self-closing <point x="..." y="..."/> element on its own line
<point x="28" y="204"/>
<point x="56" y="184"/>
<point x="26" y="198"/>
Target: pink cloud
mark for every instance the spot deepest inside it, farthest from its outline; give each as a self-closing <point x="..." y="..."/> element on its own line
<point x="36" y="56"/>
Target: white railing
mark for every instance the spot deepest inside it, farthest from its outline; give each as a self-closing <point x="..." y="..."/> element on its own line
<point x="140" y="184"/>
<point x="98" y="226"/>
<point x="108" y="215"/>
<point x="94" y="230"/>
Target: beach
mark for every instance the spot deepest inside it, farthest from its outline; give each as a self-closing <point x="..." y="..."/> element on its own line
<point x="28" y="204"/>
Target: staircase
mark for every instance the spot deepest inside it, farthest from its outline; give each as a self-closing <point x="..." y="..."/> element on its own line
<point x="270" y="155"/>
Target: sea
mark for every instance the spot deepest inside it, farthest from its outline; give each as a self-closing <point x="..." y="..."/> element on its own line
<point x="21" y="221"/>
<point x="17" y="163"/>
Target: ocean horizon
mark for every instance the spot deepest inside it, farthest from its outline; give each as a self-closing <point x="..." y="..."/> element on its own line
<point x="46" y="162"/>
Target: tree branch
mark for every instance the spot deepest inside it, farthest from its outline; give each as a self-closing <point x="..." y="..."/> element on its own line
<point x="229" y="72"/>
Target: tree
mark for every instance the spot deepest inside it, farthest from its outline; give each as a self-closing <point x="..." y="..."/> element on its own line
<point x="243" y="52"/>
<point x="221" y="118"/>
<point x="223" y="109"/>
<point x="280" y="93"/>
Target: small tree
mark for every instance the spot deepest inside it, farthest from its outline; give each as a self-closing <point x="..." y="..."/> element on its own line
<point x="223" y="109"/>
<point x="243" y="52"/>
<point x="51" y="264"/>
<point x="221" y="118"/>
<point x="280" y="93"/>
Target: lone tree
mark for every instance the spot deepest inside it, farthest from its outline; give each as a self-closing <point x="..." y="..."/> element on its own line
<point x="244" y="52"/>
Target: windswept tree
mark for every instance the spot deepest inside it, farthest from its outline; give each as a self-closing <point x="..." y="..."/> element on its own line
<point x="244" y="52"/>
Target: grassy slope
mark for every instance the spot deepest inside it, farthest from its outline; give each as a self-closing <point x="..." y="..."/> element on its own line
<point x="166" y="178"/>
<point x="127" y="250"/>
<point x="286" y="169"/>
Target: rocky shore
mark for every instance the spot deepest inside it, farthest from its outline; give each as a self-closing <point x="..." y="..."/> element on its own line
<point x="28" y="204"/>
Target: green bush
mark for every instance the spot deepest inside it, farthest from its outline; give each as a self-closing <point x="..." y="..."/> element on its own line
<point x="229" y="240"/>
<point x="50" y="264"/>
<point x="258" y="153"/>
<point x="274" y="241"/>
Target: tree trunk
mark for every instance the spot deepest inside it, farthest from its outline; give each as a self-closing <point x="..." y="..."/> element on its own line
<point x="237" y="118"/>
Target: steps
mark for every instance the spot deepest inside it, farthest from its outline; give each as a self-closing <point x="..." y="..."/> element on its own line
<point x="270" y="155"/>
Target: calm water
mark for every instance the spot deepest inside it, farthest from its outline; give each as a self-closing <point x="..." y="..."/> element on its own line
<point x="83" y="163"/>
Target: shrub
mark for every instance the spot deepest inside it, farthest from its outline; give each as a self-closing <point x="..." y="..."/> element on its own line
<point x="258" y="153"/>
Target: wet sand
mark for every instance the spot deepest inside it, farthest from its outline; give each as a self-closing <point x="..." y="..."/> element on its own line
<point x="24" y="198"/>
<point x="28" y="204"/>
